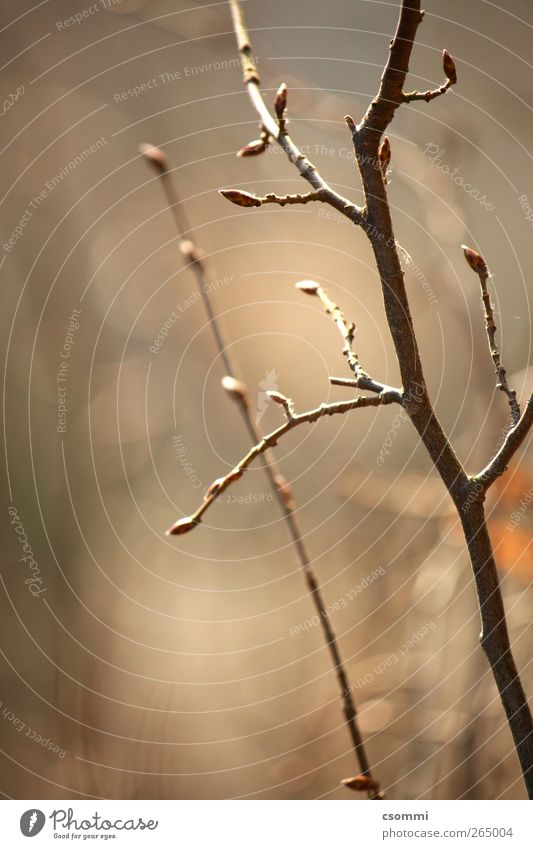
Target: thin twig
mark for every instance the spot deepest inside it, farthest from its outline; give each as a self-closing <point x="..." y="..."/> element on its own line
<point x="277" y="128"/>
<point x="347" y="331"/>
<point x="270" y="440"/>
<point x="510" y="445"/>
<point x="247" y="199"/>
<point x="283" y="492"/>
<point x="378" y="227"/>
<point x="431" y="94"/>
<point x="479" y="266"/>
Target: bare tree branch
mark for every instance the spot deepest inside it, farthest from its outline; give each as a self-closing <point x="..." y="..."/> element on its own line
<point x="378" y="227"/>
<point x="270" y="440"/>
<point x="247" y="199"/>
<point x="276" y="129"/>
<point x="479" y="266"/>
<point x="431" y="94"/>
<point x="373" y="155"/>
<point x="347" y="331"/>
<point x="237" y="391"/>
<point x="510" y="445"/>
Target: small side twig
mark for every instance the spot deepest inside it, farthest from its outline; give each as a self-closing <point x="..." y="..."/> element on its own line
<point x="479" y="266"/>
<point x="247" y="199"/>
<point x="270" y="440"/>
<point x="276" y="127"/>
<point x="431" y="94"/>
<point x="347" y="331"/>
<point x="510" y="445"/>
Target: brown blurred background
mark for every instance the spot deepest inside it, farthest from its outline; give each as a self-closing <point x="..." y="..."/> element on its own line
<point x="156" y="667"/>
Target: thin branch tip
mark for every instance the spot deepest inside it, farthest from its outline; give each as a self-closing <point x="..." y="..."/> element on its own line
<point x="449" y="68"/>
<point x="475" y="260"/>
<point x="307" y="286"/>
<point x="155" y="156"/>
<point x="240" y="198"/>
<point x="182" y="526"/>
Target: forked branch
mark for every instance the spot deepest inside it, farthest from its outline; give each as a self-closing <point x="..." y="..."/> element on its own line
<point x="237" y="391"/>
<point x="270" y="440"/>
<point x="373" y="153"/>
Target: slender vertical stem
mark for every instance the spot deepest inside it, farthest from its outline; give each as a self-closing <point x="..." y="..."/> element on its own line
<point x="280" y="486"/>
<point x="495" y="641"/>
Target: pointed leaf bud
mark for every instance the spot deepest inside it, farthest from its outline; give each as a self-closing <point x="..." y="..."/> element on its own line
<point x="384" y="155"/>
<point x="240" y="198"/>
<point x="235" y="475"/>
<point x="189" y="250"/>
<point x="183" y="526"/>
<point x="253" y="148"/>
<point x="155" y="157"/>
<point x="360" y="783"/>
<point x="307" y="286"/>
<point x="236" y="390"/>
<point x="449" y="67"/>
<point x="280" y="103"/>
<point x="475" y="260"/>
<point x="277" y="397"/>
<point x="215" y="488"/>
<point x="285" y="490"/>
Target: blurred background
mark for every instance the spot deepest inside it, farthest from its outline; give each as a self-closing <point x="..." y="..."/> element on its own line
<point x="135" y="665"/>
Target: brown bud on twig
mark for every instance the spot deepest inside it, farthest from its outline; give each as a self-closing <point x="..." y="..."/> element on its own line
<point x="307" y="286"/>
<point x="285" y="402"/>
<point x="280" y="103"/>
<point x="361" y="783"/>
<point x="449" y="67"/>
<point x="189" y="250"/>
<point x="285" y="490"/>
<point x="475" y="260"/>
<point x="236" y="390"/>
<point x="277" y="397"/>
<point x="384" y="155"/>
<point x="155" y="157"/>
<point x="235" y="475"/>
<point x="253" y="148"/>
<point x="214" y="488"/>
<point x="351" y="123"/>
<point x="240" y="198"/>
<point x="183" y="526"/>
